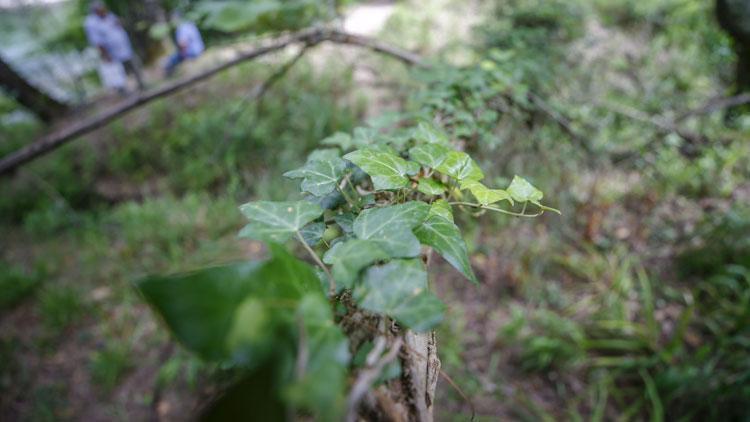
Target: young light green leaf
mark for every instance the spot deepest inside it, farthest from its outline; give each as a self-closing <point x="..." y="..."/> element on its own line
<point x="391" y="227"/>
<point x="277" y="221"/>
<point x="350" y="257"/>
<point x="399" y="290"/>
<point x="319" y="177"/>
<point x="430" y="187"/>
<point x="460" y="166"/>
<point x="485" y="195"/>
<point x="445" y="237"/>
<point x="442" y="208"/>
<point x="386" y="170"/>
<point x="523" y="191"/>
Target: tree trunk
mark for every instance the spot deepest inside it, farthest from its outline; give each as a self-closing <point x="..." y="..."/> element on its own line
<point x="39" y="103"/>
<point x="410" y="397"/>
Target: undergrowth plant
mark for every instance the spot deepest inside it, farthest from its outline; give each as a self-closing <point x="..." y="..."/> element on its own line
<point x="375" y="206"/>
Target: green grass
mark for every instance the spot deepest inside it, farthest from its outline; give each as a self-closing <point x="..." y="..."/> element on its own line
<point x="108" y="365"/>
<point x="60" y="306"/>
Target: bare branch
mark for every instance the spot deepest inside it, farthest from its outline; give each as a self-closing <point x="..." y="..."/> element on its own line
<point x="368" y="376"/>
<point x="716" y="105"/>
<point x="308" y="36"/>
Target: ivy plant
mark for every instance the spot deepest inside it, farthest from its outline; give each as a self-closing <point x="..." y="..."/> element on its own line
<point x="373" y="204"/>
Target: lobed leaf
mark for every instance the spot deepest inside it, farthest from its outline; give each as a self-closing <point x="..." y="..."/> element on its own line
<point x="350" y="257"/>
<point x="277" y="221"/>
<point x="445" y="237"/>
<point x="391" y="227"/>
<point x="319" y="177"/>
<point x="523" y="191"/>
<point x="460" y="166"/>
<point x="429" y="155"/>
<point x="485" y="195"/>
<point x="399" y="290"/>
<point x="431" y="134"/>
<point x="313" y="233"/>
<point x="387" y="171"/>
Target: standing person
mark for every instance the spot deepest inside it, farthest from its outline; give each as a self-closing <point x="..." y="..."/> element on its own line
<point x="189" y="43"/>
<point x="105" y="32"/>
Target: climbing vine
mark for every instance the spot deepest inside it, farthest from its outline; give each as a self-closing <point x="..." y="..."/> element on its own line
<point x="374" y="205"/>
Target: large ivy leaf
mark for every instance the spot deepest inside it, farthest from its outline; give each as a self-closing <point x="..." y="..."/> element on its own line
<point x="460" y="166"/>
<point x="391" y="227"/>
<point x="387" y="171"/>
<point x="445" y="237"/>
<point x="350" y="257"/>
<point x="399" y="290"/>
<point x="523" y="191"/>
<point x="228" y="312"/>
<point x="485" y="195"/>
<point x="277" y="221"/>
<point x="319" y="177"/>
<point x="321" y="384"/>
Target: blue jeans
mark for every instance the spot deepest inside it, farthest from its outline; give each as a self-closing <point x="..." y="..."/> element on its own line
<point x="175" y="60"/>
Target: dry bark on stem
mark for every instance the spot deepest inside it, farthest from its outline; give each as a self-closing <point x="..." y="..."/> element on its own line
<point x="312" y="36"/>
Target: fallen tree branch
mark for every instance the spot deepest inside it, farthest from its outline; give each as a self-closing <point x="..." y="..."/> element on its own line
<point x="665" y="126"/>
<point x="716" y="105"/>
<point x="61" y="136"/>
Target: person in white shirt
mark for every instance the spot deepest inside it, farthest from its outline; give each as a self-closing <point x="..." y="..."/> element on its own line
<point x="104" y="31"/>
<point x="189" y="44"/>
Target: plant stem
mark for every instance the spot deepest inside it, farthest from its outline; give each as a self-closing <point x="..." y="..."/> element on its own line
<point x="500" y="210"/>
<point x="349" y="201"/>
<point x="331" y="282"/>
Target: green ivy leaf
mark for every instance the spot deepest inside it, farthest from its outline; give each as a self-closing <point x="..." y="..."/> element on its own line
<point x="319" y="177"/>
<point x="442" y="208"/>
<point x="324" y="154"/>
<point x="430" y="155"/>
<point x="445" y="237"/>
<point x="226" y="313"/>
<point x="313" y="233"/>
<point x="523" y="191"/>
<point x="399" y="290"/>
<point x="277" y="221"/>
<point x="460" y="166"/>
<point x="387" y="171"/>
<point x="485" y="195"/>
<point x="430" y="187"/>
<point x="339" y="139"/>
<point x="345" y="221"/>
<point x="391" y="227"/>
<point x="323" y="380"/>
<point x="431" y="134"/>
<point x="350" y="257"/>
